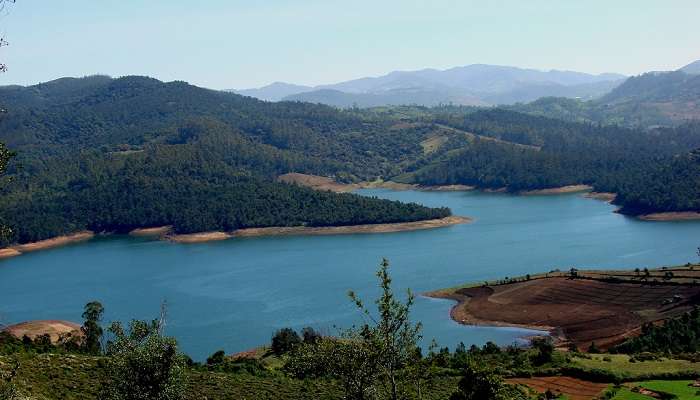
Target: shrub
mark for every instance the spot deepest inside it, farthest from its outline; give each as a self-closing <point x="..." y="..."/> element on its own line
<point x="284" y="341"/>
<point x="143" y="364"/>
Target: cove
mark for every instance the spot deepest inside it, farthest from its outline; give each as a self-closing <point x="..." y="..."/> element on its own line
<point x="234" y="294"/>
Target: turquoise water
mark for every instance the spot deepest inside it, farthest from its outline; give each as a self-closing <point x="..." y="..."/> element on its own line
<point x="233" y="295"/>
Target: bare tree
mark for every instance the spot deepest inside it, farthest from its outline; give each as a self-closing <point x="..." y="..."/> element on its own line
<point x="3" y="6"/>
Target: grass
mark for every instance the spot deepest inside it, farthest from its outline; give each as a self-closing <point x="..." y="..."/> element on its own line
<point x="681" y="389"/>
<point x="620" y="364"/>
<point x="78" y="377"/>
<point x="626" y="394"/>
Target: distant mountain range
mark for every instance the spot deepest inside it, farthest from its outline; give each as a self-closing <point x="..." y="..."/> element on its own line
<point x="647" y="100"/>
<point x="476" y="84"/>
<point x="692" y="68"/>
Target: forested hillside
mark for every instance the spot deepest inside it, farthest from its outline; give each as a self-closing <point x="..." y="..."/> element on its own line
<point x="648" y="100"/>
<point x="115" y="154"/>
<point x="650" y="171"/>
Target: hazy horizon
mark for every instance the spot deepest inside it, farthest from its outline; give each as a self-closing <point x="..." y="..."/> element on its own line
<point x="234" y="45"/>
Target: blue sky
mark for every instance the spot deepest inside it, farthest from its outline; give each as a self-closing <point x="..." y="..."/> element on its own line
<point x="238" y="44"/>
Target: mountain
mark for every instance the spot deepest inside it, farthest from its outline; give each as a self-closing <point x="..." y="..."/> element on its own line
<point x="111" y="155"/>
<point x="137" y="152"/>
<point x="647" y="100"/>
<point x="692" y="68"/>
<point x="477" y="78"/>
<point x="273" y="92"/>
<point x="476" y="84"/>
<point x="394" y="97"/>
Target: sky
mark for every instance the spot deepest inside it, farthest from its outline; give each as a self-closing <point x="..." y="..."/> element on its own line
<point x="240" y="44"/>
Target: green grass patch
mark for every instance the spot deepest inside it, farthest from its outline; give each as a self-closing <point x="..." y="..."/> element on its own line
<point x="626" y="394"/>
<point x="621" y="365"/>
<point x="681" y="389"/>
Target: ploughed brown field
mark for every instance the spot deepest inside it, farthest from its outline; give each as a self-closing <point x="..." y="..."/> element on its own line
<point x="581" y="311"/>
<point x="572" y="388"/>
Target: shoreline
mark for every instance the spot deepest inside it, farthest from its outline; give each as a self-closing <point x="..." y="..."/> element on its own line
<point x="602" y="196"/>
<point x="152" y="231"/>
<point x="671" y="216"/>
<point x="320" y="230"/>
<point x="459" y="314"/>
<point x="165" y="233"/>
<point x="546" y="303"/>
<point x="19" y="249"/>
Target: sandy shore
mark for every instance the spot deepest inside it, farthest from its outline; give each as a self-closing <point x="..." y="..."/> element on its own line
<point x="604" y="196"/>
<point x="53" y="328"/>
<point x="154" y="231"/>
<point x="338" y="230"/>
<point x="200" y="237"/>
<point x="322" y="230"/>
<point x="671" y="216"/>
<point x="9" y="252"/>
<point x="46" y="244"/>
<point x="558" y="190"/>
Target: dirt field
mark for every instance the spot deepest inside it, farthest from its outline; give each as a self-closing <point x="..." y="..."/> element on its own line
<point x="580" y="310"/>
<point x="54" y="328"/>
<point x="558" y="190"/>
<point x="324" y="183"/>
<point x="317" y="182"/>
<point x="574" y="389"/>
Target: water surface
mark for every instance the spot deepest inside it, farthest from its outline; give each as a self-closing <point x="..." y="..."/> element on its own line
<point x="233" y="295"/>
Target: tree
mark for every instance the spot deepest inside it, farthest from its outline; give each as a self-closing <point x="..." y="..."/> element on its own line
<point x="354" y="363"/>
<point x="545" y="350"/>
<point x="310" y="335"/>
<point x="92" y="331"/>
<point x="144" y="364"/>
<point x="285" y="340"/>
<point x="5" y="153"/>
<point x="593" y="349"/>
<point x="217" y="358"/>
<point x="573" y="273"/>
<point x="482" y="384"/>
<point x="392" y="334"/>
<point x="3" y="4"/>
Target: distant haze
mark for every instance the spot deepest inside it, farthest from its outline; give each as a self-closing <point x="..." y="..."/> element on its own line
<point x="476" y="84"/>
<point x="242" y="44"/>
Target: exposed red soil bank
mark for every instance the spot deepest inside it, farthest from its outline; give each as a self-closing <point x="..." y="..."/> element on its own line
<point x="579" y="310"/>
<point x="572" y="388"/>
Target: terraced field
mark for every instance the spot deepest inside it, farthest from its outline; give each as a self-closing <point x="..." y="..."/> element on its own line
<point x="572" y="388"/>
<point x="580" y="310"/>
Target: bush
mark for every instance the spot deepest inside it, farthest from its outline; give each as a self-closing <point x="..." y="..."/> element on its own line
<point x="216" y="358"/>
<point x="284" y="341"/>
<point x="143" y="364"/>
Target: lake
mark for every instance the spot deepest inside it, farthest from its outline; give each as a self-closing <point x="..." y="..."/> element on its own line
<point x="234" y="294"/>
